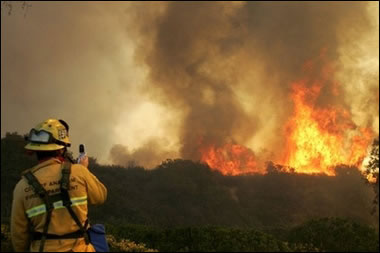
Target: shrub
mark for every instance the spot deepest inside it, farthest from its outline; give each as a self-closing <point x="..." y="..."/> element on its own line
<point x="6" y="245"/>
<point x="337" y="235"/>
<point x="125" y="245"/>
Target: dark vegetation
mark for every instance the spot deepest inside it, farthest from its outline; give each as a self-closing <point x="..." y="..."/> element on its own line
<point x="332" y="234"/>
<point x="184" y="206"/>
<point x="373" y="171"/>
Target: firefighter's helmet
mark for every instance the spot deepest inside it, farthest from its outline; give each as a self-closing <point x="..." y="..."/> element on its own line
<point x="51" y="134"/>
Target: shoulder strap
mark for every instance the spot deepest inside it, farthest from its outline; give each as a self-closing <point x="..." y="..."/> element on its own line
<point x="65" y="186"/>
<point x="33" y="181"/>
<point x="40" y="190"/>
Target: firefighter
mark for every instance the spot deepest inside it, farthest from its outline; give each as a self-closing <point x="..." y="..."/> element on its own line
<point x="49" y="209"/>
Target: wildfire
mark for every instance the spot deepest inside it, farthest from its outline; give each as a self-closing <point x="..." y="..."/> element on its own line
<point x="230" y="159"/>
<point x="317" y="138"/>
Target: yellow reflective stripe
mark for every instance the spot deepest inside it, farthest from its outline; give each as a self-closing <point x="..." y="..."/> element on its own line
<point x="77" y="204"/>
<point x="36" y="210"/>
<point x="74" y="202"/>
<point x="79" y="198"/>
<point x="78" y="201"/>
<point x="57" y="205"/>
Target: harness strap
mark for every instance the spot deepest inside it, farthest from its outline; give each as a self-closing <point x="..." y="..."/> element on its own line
<point x="65" y="186"/>
<point x="64" y="195"/>
<point x="40" y="190"/>
<point x="73" y="235"/>
<point x="44" y="233"/>
<point x="33" y="181"/>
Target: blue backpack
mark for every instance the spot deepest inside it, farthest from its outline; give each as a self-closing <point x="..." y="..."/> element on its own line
<point x="97" y="235"/>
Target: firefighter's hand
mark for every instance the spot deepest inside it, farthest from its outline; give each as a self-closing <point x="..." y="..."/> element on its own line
<point x="84" y="161"/>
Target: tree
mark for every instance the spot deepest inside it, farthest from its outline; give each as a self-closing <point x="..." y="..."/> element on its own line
<point x="372" y="171"/>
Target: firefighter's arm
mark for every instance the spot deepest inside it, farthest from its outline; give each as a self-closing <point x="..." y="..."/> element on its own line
<point x="19" y="222"/>
<point x="96" y="191"/>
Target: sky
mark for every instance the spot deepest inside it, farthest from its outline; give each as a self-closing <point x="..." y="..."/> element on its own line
<point x="147" y="81"/>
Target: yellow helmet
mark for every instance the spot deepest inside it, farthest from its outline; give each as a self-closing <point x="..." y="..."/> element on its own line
<point x="49" y="135"/>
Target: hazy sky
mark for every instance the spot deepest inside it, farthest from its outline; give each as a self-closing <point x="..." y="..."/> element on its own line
<point x="75" y="61"/>
<point x="144" y="80"/>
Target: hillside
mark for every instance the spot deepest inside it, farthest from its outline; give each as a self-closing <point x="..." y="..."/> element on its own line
<point x="181" y="196"/>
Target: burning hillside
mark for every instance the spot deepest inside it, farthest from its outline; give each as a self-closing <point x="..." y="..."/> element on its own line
<point x="252" y="82"/>
<point x="318" y="138"/>
<point x="230" y="159"/>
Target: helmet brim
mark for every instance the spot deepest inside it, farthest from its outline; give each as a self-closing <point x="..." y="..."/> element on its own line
<point x="43" y="147"/>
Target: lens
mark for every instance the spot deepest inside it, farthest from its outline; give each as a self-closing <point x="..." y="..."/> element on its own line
<point x="41" y="136"/>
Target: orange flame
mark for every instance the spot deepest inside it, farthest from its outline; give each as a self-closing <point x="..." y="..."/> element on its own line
<point x="230" y="159"/>
<point x="318" y="139"/>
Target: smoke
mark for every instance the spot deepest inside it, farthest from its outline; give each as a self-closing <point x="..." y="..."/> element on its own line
<point x="359" y="68"/>
<point x="71" y="61"/>
<point x="211" y="72"/>
<point x="228" y="67"/>
<point x="149" y="155"/>
<point x="187" y="45"/>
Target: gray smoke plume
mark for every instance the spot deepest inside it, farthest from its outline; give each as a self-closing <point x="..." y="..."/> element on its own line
<point x="229" y="66"/>
<point x="149" y="155"/>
